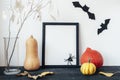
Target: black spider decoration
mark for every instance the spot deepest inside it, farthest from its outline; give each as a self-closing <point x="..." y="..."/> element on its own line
<point x="69" y="60"/>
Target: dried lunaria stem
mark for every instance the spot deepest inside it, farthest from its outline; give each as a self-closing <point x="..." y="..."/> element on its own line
<point x="35" y="77"/>
<point x="20" y="13"/>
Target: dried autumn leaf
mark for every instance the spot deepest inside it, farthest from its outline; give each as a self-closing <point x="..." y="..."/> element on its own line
<point x="29" y="75"/>
<point x="33" y="77"/>
<point x="45" y="73"/>
<point x="23" y="74"/>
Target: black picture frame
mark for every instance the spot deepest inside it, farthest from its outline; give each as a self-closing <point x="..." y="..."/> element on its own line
<point x="50" y="53"/>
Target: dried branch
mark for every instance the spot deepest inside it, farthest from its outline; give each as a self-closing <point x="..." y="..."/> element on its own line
<point x="24" y="15"/>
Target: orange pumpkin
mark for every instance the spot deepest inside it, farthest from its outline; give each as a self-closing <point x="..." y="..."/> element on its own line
<point x="95" y="56"/>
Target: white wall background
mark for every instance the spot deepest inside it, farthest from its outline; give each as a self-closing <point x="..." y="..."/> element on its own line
<point x="107" y="43"/>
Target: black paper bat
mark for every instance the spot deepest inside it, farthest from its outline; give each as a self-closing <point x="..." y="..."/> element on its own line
<point x="103" y="26"/>
<point x="85" y="9"/>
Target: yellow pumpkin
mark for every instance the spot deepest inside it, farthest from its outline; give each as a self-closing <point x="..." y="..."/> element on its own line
<point x="88" y="68"/>
<point x="32" y="61"/>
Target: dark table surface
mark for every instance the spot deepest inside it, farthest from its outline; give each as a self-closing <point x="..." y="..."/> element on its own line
<point x="65" y="74"/>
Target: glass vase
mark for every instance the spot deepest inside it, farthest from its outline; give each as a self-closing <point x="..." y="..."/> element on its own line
<point x="11" y="51"/>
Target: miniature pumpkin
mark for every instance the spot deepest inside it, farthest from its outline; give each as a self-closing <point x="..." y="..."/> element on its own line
<point x="94" y="55"/>
<point x="88" y="68"/>
<point x="32" y="60"/>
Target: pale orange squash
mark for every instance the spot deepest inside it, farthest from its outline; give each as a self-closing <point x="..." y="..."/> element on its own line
<point x="32" y="61"/>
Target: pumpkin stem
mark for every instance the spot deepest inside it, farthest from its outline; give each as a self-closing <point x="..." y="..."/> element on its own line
<point x="31" y="36"/>
<point x="89" y="60"/>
